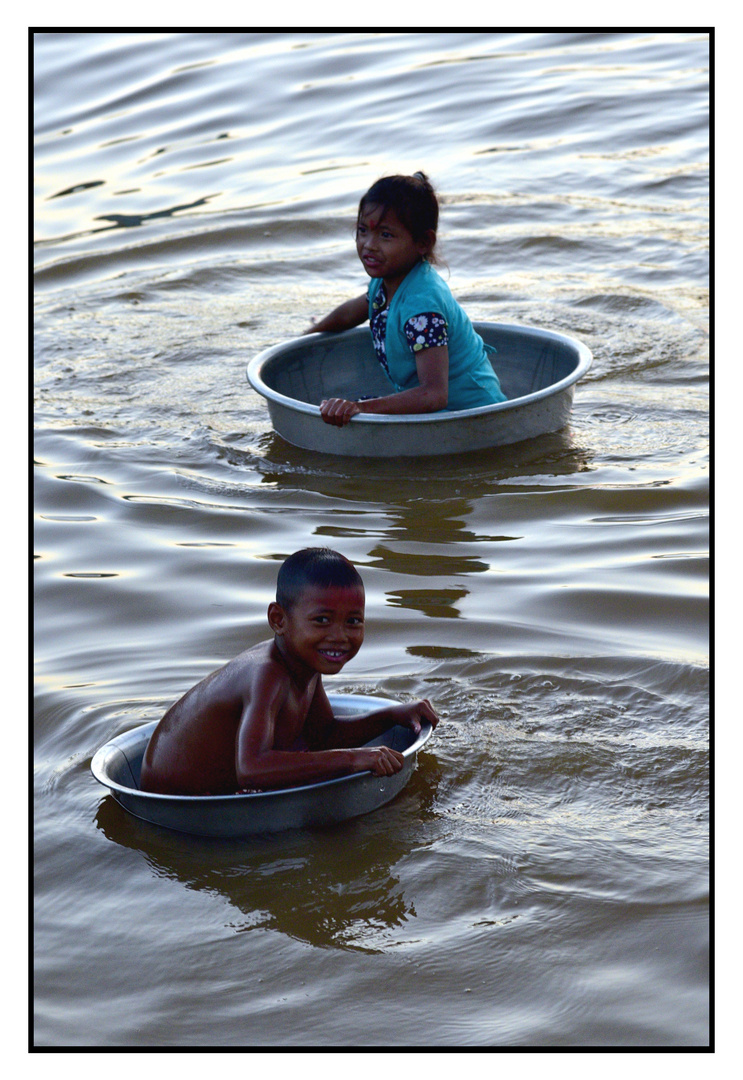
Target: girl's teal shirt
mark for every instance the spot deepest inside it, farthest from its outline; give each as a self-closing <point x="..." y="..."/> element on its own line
<point x="472" y="381"/>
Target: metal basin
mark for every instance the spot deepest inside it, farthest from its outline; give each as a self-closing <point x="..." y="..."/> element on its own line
<point x="538" y="370"/>
<point x="116" y="765"/>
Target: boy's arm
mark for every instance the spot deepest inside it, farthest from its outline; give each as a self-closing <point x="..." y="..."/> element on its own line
<point x="258" y="764"/>
<point x="336" y="732"/>
<point x="351" y="313"/>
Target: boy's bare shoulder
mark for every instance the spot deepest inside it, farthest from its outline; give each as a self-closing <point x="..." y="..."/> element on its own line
<point x="255" y="667"/>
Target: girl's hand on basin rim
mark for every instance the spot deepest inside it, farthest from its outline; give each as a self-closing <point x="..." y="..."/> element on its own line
<point x="338" y="411"/>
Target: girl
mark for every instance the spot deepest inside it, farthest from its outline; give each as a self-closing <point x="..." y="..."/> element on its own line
<point x="423" y="339"/>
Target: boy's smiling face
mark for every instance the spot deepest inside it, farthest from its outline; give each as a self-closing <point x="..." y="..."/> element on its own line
<point x="323" y="628"/>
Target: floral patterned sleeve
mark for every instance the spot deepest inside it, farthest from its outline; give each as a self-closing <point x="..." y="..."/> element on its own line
<point x="426" y="331"/>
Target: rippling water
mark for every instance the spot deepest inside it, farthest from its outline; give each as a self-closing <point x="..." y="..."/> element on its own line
<point x="543" y="880"/>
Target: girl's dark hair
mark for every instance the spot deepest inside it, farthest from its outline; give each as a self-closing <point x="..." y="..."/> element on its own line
<point x="319" y="567"/>
<point x="411" y="197"/>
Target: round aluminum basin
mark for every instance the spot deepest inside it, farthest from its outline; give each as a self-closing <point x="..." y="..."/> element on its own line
<point x="538" y="370"/>
<point x="117" y="764"/>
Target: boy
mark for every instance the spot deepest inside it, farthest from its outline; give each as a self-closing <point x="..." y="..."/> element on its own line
<point x="263" y="720"/>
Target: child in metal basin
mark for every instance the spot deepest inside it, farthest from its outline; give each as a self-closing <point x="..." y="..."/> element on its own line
<point x="263" y="720"/>
<point x="422" y="337"/>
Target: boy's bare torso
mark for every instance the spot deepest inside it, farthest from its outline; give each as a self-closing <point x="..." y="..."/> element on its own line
<point x="193" y="749"/>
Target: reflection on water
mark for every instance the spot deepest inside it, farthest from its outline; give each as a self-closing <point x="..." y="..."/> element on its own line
<point x="330" y="888"/>
<point x="471" y="474"/>
<point x="128" y="221"/>
<point x="436" y="603"/>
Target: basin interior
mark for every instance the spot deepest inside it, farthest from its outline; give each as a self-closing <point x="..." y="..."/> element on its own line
<point x="345" y="365"/>
<point x="125" y="767"/>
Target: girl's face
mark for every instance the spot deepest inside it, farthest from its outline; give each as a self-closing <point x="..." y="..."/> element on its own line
<point x="386" y="248"/>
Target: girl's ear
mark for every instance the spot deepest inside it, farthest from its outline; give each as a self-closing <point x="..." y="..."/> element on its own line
<point x="276" y="618"/>
<point x="428" y="243"/>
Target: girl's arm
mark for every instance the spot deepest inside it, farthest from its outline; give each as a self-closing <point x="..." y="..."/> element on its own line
<point x="433" y="393"/>
<point x="351" y="313"/>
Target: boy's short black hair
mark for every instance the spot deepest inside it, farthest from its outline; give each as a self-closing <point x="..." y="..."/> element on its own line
<point x="319" y="567"/>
